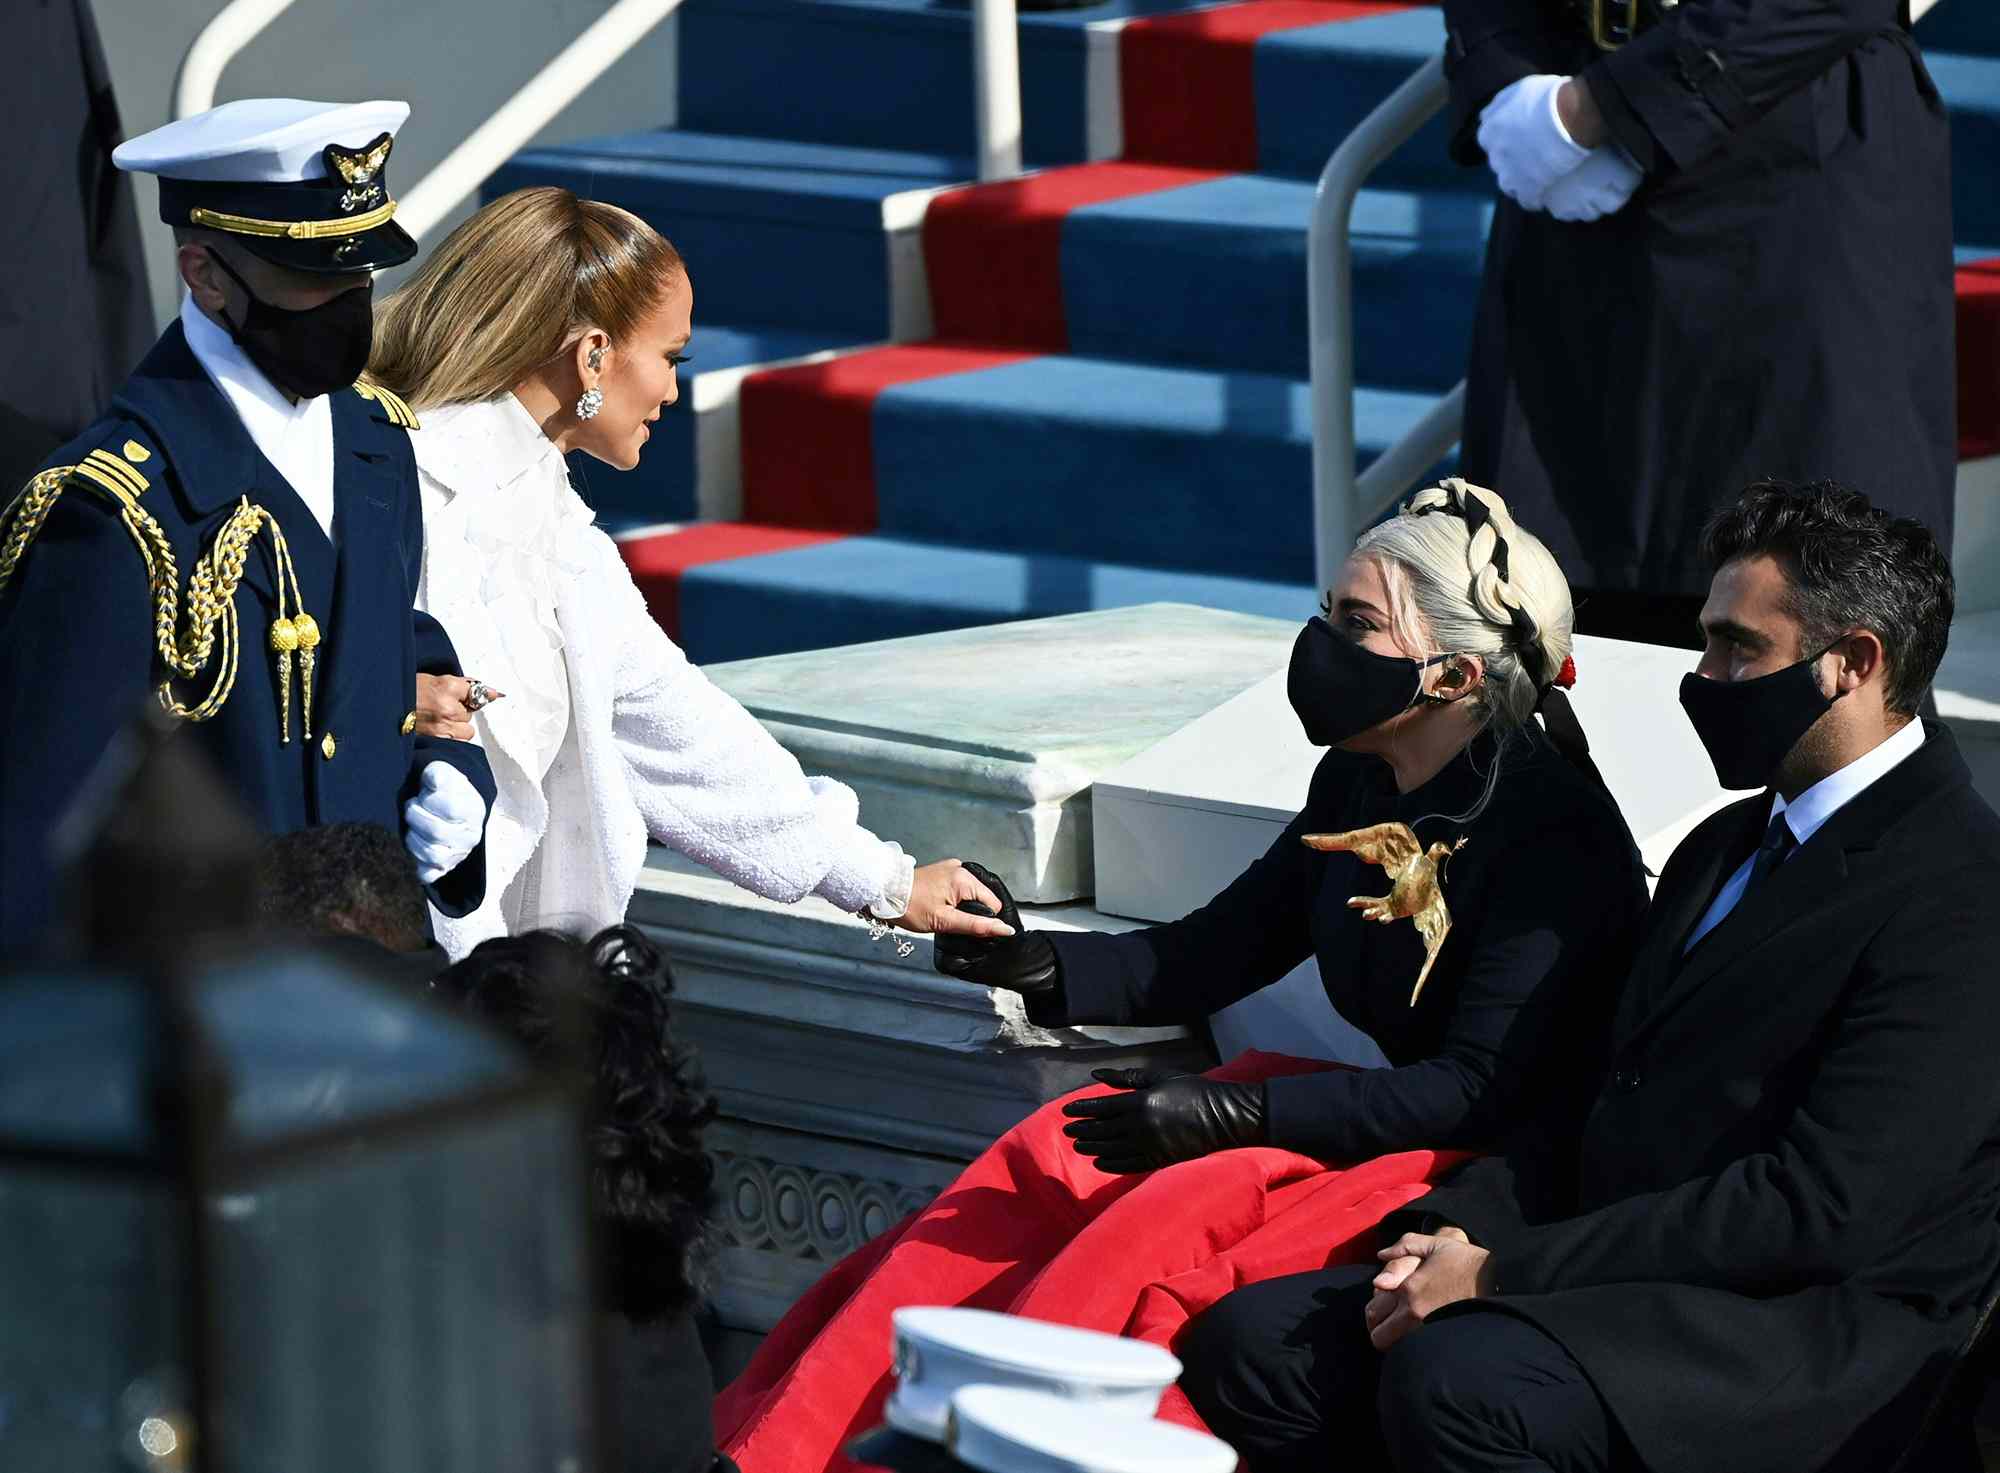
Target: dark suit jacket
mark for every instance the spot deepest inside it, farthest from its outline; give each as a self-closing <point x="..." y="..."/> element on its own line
<point x="1545" y="901"/>
<point x="78" y="656"/>
<point x="1785" y="1192"/>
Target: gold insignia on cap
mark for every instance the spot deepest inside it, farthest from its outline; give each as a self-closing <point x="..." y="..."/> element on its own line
<point x="328" y="746"/>
<point x="136" y="453"/>
<point x="360" y="165"/>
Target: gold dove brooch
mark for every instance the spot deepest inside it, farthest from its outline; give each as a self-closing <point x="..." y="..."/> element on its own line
<point x="1416" y="876"/>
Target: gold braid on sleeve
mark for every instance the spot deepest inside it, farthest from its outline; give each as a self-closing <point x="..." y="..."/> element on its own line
<point x="188" y="649"/>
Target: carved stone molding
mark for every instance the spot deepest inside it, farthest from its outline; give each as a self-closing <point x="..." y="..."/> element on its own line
<point x="804" y="1213"/>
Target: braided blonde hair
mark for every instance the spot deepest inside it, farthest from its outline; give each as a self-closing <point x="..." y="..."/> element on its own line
<point x="1455" y="591"/>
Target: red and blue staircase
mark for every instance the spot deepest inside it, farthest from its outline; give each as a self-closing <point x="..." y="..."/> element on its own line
<point x="920" y="405"/>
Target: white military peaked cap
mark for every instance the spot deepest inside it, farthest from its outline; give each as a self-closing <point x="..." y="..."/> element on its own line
<point x="302" y="184"/>
<point x="1002" y="1429"/>
<point x="938" y="1351"/>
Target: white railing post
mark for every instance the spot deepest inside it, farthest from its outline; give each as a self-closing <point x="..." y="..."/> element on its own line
<point x="996" y="85"/>
<point x="596" y="49"/>
<point x="1330" y="316"/>
<point x="235" y="26"/>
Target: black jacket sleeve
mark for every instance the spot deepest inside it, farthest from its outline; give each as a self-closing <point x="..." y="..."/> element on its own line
<point x="1903" y="1096"/>
<point x="1248" y="937"/>
<point x="1539" y="954"/>
<point x="1712" y="67"/>
<point x="1490" y="45"/>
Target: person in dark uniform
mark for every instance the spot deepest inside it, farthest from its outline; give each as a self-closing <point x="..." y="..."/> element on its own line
<point x="1766" y="1236"/>
<point x="1725" y="253"/>
<point x="238" y="540"/>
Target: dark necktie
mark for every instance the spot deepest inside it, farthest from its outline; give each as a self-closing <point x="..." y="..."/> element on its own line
<point x="1775" y="850"/>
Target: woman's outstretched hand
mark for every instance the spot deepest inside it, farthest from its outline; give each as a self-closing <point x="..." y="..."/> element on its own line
<point x="1016" y="958"/>
<point x="935" y="894"/>
<point x="1163" y="1118"/>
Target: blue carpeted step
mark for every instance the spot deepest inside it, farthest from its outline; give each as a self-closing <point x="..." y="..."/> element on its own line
<point x="772" y="231"/>
<point x="1214" y="275"/>
<point x="863" y="588"/>
<point x="1962" y="25"/>
<point x="1158" y="467"/>
<point x="882" y="73"/>
<point x="1970" y="85"/>
<point x="663" y="487"/>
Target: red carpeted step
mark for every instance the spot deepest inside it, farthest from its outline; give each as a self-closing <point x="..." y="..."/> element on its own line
<point x="1979" y="359"/>
<point x="659" y="559"/>
<point x="1187" y="82"/>
<point x="994" y="251"/>
<point x="808" y="443"/>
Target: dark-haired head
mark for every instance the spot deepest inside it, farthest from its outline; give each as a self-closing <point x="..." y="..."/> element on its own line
<point x="602" y="1006"/>
<point x="1846" y="565"/>
<point x="345" y="879"/>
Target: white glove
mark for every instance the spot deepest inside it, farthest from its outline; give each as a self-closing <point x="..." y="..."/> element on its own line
<point x="1598" y="187"/>
<point x="1525" y="141"/>
<point x="444" y="822"/>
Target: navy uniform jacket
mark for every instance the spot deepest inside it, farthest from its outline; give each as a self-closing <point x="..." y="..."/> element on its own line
<point x="78" y="654"/>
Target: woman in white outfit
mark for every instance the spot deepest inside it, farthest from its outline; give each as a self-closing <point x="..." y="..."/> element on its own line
<point x="546" y="324"/>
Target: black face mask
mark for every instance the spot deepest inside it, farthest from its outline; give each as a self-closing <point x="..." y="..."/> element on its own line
<point x="1749" y="725"/>
<point x="1339" y="689"/>
<point x="307" y="353"/>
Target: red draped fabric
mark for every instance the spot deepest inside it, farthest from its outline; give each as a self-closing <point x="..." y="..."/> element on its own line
<point x="1034" y="1229"/>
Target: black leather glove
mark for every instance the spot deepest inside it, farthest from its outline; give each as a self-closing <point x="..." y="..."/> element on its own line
<point x="1166" y="1118"/>
<point x="1023" y="962"/>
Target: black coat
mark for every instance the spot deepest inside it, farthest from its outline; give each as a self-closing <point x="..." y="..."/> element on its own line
<point x="1783" y="1207"/>
<point x="1776" y="300"/>
<point x="75" y="311"/>
<point x="77" y="647"/>
<point x="1545" y="900"/>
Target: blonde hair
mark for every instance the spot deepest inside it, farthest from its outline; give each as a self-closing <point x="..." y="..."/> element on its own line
<point x="1453" y="589"/>
<point x="511" y="288"/>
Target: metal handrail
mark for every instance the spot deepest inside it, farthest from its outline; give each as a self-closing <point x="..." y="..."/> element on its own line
<point x="996" y="87"/>
<point x="235" y="26"/>
<point x="597" y="48"/>
<point x="1343" y="502"/>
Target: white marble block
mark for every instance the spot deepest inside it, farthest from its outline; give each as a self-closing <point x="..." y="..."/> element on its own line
<point x="983" y="743"/>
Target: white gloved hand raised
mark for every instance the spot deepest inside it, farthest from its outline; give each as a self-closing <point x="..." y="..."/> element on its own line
<point x="1598" y="187"/>
<point x="444" y="822"/>
<point x="1525" y="140"/>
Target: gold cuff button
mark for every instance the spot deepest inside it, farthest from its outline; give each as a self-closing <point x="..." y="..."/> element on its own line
<point x="136" y="453"/>
<point x="328" y="746"/>
<point x="409" y="723"/>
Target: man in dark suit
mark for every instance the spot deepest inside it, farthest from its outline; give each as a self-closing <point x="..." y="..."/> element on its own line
<point x="1767" y="1237"/>
<point x="237" y="541"/>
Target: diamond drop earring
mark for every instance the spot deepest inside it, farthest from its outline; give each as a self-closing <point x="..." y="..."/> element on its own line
<point x="593" y="397"/>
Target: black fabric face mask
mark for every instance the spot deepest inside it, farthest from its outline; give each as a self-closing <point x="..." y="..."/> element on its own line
<point x="1340" y="689"/>
<point x="1749" y="725"/>
<point x="307" y="353"/>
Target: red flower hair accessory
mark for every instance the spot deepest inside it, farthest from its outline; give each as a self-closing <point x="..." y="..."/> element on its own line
<point x="1566" y="677"/>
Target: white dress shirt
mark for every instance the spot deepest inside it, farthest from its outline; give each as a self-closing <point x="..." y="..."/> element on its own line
<point x="296" y="438"/>
<point x="607" y="737"/>
<point x="1808" y="813"/>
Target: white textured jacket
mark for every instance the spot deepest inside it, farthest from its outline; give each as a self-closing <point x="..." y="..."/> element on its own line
<point x="607" y="734"/>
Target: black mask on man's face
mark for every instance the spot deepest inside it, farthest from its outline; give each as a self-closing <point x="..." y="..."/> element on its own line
<point x="306" y="353"/>
<point x="1339" y="689"/>
<point x="1749" y="725"/>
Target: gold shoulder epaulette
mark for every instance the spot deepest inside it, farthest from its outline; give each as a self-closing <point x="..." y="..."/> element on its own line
<point x="117" y="477"/>
<point x="392" y="404"/>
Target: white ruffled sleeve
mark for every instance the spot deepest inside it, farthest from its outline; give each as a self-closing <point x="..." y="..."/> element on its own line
<point x="713" y="784"/>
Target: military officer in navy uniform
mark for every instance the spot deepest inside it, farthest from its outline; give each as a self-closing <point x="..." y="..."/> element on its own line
<point x="238" y="540"/>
